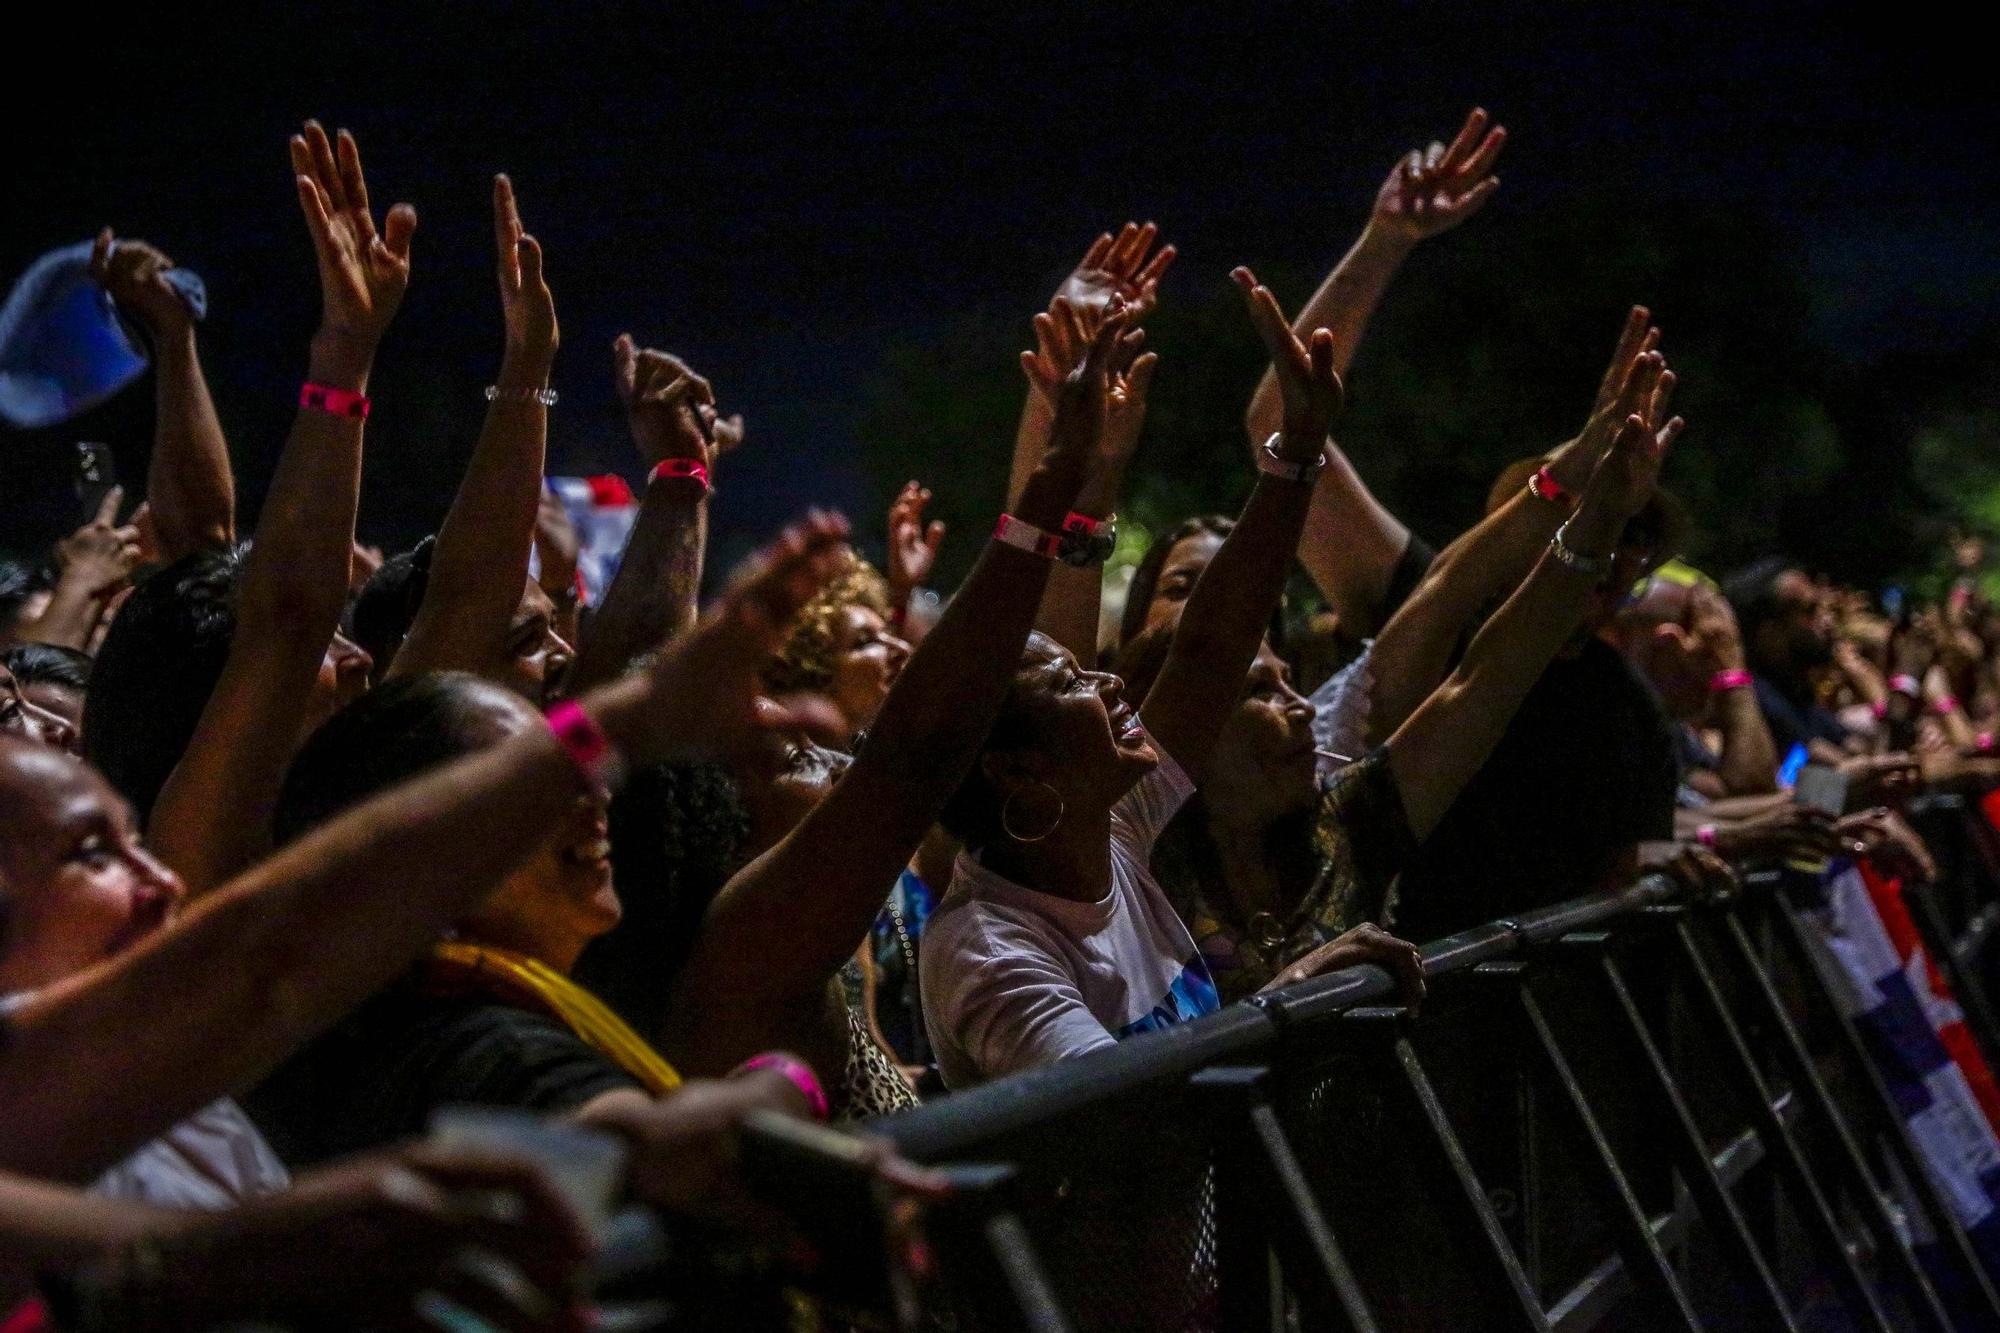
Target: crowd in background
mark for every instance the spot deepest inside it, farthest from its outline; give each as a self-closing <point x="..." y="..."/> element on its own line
<point x="304" y="849"/>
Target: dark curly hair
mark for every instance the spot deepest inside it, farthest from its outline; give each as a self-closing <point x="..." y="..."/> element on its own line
<point x="678" y="832"/>
<point x="157" y="666"/>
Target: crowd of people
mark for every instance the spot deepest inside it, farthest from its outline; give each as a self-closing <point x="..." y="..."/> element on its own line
<point x="303" y="849"/>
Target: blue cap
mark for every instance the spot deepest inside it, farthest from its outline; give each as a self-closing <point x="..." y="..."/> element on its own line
<point x="63" y="347"/>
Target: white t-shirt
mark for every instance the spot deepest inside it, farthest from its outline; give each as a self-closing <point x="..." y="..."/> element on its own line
<point x="1343" y="704"/>
<point x="214" y="1159"/>
<point x="1013" y="977"/>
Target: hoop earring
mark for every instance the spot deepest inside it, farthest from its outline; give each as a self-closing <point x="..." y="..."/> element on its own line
<point x="1006" y="809"/>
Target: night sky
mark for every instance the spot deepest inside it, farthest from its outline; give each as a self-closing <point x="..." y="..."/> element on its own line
<point x="779" y="192"/>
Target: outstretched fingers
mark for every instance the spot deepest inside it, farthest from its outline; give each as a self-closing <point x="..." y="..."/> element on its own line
<point x="507" y="231"/>
<point x="1271" y="324"/>
<point x="353" y="187"/>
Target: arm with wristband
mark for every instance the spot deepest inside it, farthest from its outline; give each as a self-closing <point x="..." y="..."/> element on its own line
<point x="1447" y="739"/>
<point x="1416" y="648"/>
<point x="212" y="817"/>
<point x="1072" y="606"/>
<point x="746" y="987"/>
<point x="1351" y="542"/>
<point x="1230" y="608"/>
<point x="480" y="567"/>
<point x="671" y="411"/>
<point x="1748" y="752"/>
<point x="288" y="947"/>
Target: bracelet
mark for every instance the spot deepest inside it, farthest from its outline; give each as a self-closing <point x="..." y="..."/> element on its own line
<point x="1270" y="461"/>
<point x="597" y="760"/>
<point x="1907" y="685"/>
<point x="336" y="402"/>
<point x="1983" y="741"/>
<point x="1544" y="486"/>
<point x="1734" y="678"/>
<point x="1945" y="706"/>
<point x="1590" y="566"/>
<point x="496" y="394"/>
<point x="1705" y="835"/>
<point x="798" y="1072"/>
<point x="688" y="468"/>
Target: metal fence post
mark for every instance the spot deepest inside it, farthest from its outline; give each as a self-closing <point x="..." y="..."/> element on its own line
<point x="1711" y="1196"/>
<point x="1640" y="1248"/>
<point x="1455" y="1185"/>
<point x="1264" y="1203"/>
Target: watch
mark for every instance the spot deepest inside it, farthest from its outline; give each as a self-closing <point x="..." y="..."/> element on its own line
<point x="1271" y="461"/>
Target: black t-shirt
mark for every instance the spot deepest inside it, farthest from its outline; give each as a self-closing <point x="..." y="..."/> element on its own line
<point x="378" y="1075"/>
<point x="1587" y="768"/>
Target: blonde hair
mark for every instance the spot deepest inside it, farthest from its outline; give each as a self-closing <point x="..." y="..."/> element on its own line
<point x="805" y="662"/>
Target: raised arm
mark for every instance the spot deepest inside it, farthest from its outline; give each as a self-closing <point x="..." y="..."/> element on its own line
<point x="1749" y="754"/>
<point x="1351" y="542"/>
<point x="748" y="987"/>
<point x="289" y="946"/>
<point x="913" y="548"/>
<point x="1414" y="650"/>
<point x="1121" y="272"/>
<point x="481" y="562"/>
<point x="188" y="482"/>
<point x="671" y="411"/>
<point x="213" y="815"/>
<point x="1448" y="739"/>
<point x="1230" y="608"/>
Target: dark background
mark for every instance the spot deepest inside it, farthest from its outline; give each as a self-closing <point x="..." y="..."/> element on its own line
<point x="846" y="221"/>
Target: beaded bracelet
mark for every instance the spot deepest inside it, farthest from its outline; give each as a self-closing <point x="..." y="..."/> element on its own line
<point x="546" y="397"/>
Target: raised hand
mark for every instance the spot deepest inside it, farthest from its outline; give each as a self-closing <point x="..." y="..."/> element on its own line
<point x="1627" y="475"/>
<point x="913" y="545"/>
<point x="99" y="556"/>
<point x="670" y="409"/>
<point x="1432" y="191"/>
<point x="1307" y="382"/>
<point x="1081" y="394"/>
<point x="525" y="300"/>
<point x="363" y="272"/>
<point x="134" y="274"/>
<point x="1125" y="407"/>
<point x="1116" y="273"/>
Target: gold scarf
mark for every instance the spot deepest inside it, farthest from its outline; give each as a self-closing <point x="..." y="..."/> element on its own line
<point x="522" y="980"/>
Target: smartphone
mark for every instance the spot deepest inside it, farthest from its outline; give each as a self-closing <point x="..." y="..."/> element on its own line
<point x="96" y="474"/>
<point x="1821" y="787"/>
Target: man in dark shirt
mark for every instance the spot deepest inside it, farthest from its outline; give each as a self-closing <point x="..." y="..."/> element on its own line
<point x="1585" y="772"/>
<point x="1787" y="636"/>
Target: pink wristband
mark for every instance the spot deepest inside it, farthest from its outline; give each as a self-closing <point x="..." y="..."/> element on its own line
<point x="338" y="402"/>
<point x="596" y="758"/>
<point x="1906" y="685"/>
<point x="798" y="1072"/>
<point x="1880" y="708"/>
<point x="1946" y="706"/>
<point x="1544" y="486"/>
<point x="1983" y="741"/>
<point x="683" y="467"/>
<point x="1734" y="679"/>
<point x="1705" y="835"/>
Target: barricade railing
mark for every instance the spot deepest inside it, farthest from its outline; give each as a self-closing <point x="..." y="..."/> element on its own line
<point x="1629" y="1110"/>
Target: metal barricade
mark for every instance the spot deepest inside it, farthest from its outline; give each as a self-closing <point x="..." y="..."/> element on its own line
<point x="1629" y="1111"/>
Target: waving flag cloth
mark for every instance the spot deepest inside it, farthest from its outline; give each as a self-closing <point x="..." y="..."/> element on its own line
<point x="1880" y="975"/>
<point x="602" y="510"/>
